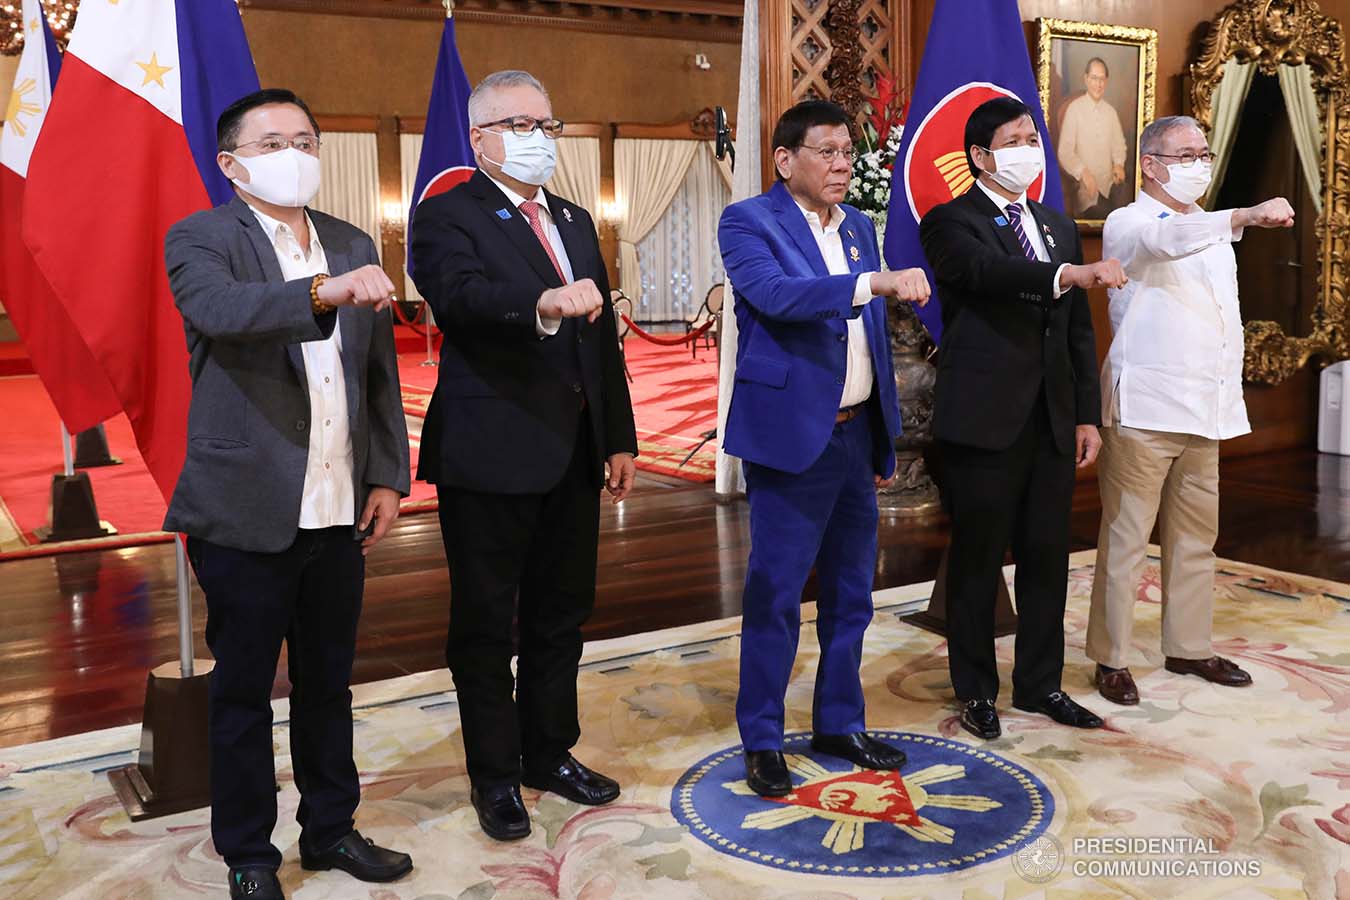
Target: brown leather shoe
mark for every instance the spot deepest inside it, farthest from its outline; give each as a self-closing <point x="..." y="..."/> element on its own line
<point x="1116" y="685"/>
<point x="1216" y="669"/>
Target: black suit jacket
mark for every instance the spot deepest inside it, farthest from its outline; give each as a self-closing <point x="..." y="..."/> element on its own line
<point x="1004" y="335"/>
<point x="503" y="418"/>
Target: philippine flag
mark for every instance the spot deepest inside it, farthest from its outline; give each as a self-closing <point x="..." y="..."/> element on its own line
<point x="976" y="50"/>
<point x="128" y="149"/>
<point x="447" y="159"/>
<point x="78" y="388"/>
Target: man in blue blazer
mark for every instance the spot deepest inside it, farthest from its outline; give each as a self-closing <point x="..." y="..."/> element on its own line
<point x="814" y="415"/>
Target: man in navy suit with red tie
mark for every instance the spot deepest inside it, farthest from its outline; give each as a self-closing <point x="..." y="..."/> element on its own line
<point x="531" y="407"/>
<point x="814" y="415"/>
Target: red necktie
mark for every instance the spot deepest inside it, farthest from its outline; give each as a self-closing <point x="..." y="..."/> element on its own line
<point x="531" y="211"/>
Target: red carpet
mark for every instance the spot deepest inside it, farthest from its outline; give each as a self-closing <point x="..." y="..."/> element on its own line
<point x="30" y="454"/>
<point x="674" y="403"/>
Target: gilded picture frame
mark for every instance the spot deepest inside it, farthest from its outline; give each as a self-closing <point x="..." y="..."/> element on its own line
<point x="1098" y="88"/>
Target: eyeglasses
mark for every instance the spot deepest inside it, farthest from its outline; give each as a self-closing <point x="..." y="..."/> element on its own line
<point x="305" y="143"/>
<point x="1186" y="160"/>
<point x="523" y="125"/>
<point x="829" y="154"/>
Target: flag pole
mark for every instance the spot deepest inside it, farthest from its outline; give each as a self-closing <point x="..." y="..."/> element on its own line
<point x="180" y="564"/>
<point x="67" y="456"/>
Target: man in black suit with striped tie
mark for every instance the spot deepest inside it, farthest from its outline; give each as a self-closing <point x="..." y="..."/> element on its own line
<point x="1017" y="406"/>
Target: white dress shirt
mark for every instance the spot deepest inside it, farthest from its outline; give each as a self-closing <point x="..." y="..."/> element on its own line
<point x="1091" y="140"/>
<point x="858" y="371"/>
<point x="1175" y="362"/>
<point x="1029" y="225"/>
<point x="328" y="497"/>
<point x="543" y="327"/>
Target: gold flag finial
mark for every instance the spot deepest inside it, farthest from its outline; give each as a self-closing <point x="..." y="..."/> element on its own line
<point x="449" y="8"/>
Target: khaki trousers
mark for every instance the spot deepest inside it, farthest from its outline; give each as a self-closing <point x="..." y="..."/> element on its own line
<point x="1173" y="478"/>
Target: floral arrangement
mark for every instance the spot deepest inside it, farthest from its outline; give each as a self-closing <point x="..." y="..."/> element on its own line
<point x="870" y="188"/>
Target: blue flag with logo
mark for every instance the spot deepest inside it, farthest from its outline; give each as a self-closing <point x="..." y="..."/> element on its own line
<point x="447" y="159"/>
<point x="976" y="50"/>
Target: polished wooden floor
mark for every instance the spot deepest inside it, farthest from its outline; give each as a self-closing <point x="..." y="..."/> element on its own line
<point x="79" y="631"/>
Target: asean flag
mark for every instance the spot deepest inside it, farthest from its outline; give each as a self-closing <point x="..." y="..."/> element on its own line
<point x="127" y="149"/>
<point x="77" y="386"/>
<point x="976" y="50"/>
<point x="447" y="159"/>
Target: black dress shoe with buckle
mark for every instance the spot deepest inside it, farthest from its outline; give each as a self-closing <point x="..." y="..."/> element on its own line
<point x="859" y="749"/>
<point x="360" y="858"/>
<point x="1059" y="707"/>
<point x="501" y="812"/>
<point x="980" y="718"/>
<point x="575" y="782"/>
<point x="767" y="773"/>
<point x="255" y="883"/>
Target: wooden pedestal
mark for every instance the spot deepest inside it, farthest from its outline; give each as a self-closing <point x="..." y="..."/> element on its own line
<point x="172" y="773"/>
<point x="934" y="618"/>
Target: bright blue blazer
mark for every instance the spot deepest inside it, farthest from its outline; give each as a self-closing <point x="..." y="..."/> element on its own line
<point x="792" y="346"/>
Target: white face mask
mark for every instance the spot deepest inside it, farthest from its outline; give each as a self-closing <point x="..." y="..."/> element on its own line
<point x="285" y="178"/>
<point x="1018" y="167"/>
<point x="1188" y="184"/>
<point x="530" y="159"/>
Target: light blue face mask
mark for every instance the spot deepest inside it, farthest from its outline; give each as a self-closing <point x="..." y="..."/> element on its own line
<point x="530" y="158"/>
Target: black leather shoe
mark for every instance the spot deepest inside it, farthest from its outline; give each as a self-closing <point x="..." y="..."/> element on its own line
<point x="360" y="858"/>
<point x="767" y="773"/>
<point x="255" y="883"/>
<point x="980" y="718"/>
<point x="1059" y="707"/>
<point x="501" y="812"/>
<point x="859" y="749"/>
<point x="575" y="782"/>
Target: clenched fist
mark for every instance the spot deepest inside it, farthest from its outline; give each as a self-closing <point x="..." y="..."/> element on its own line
<point x="910" y="285"/>
<point x="366" y="285"/>
<point x="572" y="301"/>
<point x="1108" y="274"/>
<point x="1274" y="213"/>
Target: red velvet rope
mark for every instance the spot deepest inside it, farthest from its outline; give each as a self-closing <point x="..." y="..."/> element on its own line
<point x="666" y="340"/>
<point x="412" y="323"/>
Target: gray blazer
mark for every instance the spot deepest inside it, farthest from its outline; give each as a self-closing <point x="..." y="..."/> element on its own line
<point x="248" y="428"/>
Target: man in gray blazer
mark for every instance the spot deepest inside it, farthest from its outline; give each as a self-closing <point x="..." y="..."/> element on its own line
<point x="297" y="457"/>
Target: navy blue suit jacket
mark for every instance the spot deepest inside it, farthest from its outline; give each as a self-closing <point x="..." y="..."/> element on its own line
<point x="792" y="347"/>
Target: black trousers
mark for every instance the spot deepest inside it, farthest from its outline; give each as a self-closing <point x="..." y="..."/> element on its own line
<point x="530" y="557"/>
<point x="309" y="595"/>
<point x="1019" y="496"/>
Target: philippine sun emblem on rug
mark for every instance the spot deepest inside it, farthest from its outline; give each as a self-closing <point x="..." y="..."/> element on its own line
<point x="952" y="806"/>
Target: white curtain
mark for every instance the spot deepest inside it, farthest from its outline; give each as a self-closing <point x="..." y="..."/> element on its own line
<point x="723" y="166"/>
<point x="409" y="152"/>
<point x="1300" y="101"/>
<point x="746" y="183"/>
<point x="679" y="259"/>
<point x="577" y="176"/>
<point x="1226" y="104"/>
<point x="647" y="173"/>
<point x="350" y="185"/>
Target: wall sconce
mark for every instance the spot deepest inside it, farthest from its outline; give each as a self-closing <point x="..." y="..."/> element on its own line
<point x="391" y="219"/>
<point x="701" y="62"/>
<point x="611" y="213"/>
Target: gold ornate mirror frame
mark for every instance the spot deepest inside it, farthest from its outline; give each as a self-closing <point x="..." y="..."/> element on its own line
<point x="1271" y="33"/>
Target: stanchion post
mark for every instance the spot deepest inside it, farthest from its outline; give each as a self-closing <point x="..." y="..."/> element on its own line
<point x="67" y="455"/>
<point x="180" y="561"/>
<point x="426" y="311"/>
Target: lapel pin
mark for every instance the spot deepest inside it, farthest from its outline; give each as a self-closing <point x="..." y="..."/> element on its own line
<point x="1000" y="221"/>
<point x="853" y="253"/>
<point x="850" y="234"/>
<point x="567" y="214"/>
<point x="1049" y="238"/>
<point x="503" y="214"/>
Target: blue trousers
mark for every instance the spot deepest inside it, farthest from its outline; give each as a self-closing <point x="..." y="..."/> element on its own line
<point x="825" y="516"/>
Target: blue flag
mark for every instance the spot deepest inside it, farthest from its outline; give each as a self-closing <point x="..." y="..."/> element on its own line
<point x="975" y="51"/>
<point x="447" y="158"/>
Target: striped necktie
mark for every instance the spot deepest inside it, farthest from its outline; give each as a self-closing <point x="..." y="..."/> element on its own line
<point x="531" y="211"/>
<point x="1015" y="217"/>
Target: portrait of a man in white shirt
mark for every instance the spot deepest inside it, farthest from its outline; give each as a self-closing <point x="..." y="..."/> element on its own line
<point x="1092" y="117"/>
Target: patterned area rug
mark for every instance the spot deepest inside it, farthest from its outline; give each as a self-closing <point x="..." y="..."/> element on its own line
<point x="1198" y="792"/>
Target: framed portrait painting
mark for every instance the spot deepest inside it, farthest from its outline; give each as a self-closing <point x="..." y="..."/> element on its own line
<point x="1097" y="85"/>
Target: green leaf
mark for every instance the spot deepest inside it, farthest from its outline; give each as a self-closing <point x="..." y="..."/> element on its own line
<point x="1050" y="751"/>
<point x="1276" y="798"/>
<point x="483" y="890"/>
<point x="553" y="815"/>
<point x="673" y="865"/>
<point x="652" y="835"/>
